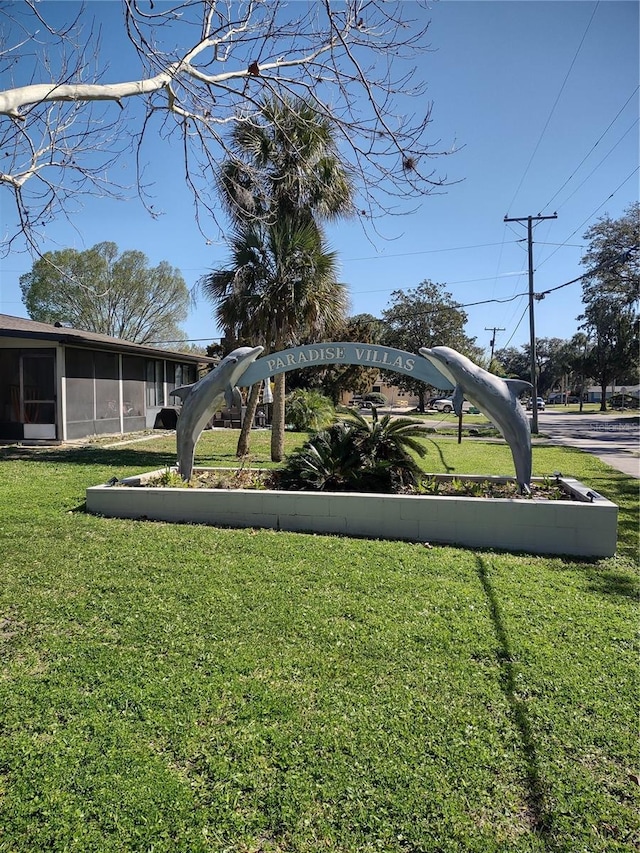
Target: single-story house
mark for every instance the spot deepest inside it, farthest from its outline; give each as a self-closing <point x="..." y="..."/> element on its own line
<point x="594" y="393"/>
<point x="58" y="383"/>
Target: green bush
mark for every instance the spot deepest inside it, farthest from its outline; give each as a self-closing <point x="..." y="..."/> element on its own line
<point x="357" y="455"/>
<point x="308" y="411"/>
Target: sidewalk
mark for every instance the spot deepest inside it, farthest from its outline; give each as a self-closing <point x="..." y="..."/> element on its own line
<point x="614" y="440"/>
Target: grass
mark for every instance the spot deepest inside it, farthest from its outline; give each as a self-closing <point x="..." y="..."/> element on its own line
<point x="592" y="409"/>
<point x="184" y="688"/>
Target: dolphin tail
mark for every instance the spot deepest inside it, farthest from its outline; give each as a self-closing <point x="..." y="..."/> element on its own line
<point x="182" y="392"/>
<point x="517" y="386"/>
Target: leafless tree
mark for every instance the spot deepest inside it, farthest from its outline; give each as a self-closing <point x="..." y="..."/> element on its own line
<point x="65" y="120"/>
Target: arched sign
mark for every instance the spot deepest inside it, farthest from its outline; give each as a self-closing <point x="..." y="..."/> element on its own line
<point x="365" y="355"/>
<point x="496" y="397"/>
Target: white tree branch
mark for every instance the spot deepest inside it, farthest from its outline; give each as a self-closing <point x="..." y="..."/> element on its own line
<point x="341" y="57"/>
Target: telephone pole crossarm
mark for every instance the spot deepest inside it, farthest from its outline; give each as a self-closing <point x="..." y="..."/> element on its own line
<point x="492" y="344"/>
<point x="532" y="327"/>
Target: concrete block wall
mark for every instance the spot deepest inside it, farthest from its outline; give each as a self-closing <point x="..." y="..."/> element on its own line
<point x="574" y="528"/>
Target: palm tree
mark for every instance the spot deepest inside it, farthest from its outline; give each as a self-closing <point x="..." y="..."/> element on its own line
<point x="309" y="411"/>
<point x="286" y="179"/>
<point x="288" y="164"/>
<point x="282" y="280"/>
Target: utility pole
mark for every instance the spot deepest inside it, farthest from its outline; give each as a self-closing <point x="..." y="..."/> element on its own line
<point x="532" y="326"/>
<point x="493" y="339"/>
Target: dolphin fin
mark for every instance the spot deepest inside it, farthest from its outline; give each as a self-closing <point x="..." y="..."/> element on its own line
<point x="517" y="386"/>
<point x="232" y="397"/>
<point x="457" y="398"/>
<point x="182" y="392"/>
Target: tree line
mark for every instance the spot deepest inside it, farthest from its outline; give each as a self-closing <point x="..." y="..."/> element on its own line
<point x="606" y="348"/>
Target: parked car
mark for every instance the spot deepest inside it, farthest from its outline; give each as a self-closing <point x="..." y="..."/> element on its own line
<point x="540" y="405"/>
<point x="562" y="399"/>
<point x="446" y="405"/>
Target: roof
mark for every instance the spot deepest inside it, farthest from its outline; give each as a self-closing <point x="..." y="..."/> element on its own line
<point x="19" y="327"/>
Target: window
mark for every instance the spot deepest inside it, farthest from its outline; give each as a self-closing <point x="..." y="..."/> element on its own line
<point x="155" y="384"/>
<point x="106" y="385"/>
<point x="80" y="393"/>
<point x="133" y="372"/>
<point x="174" y="380"/>
<point x="178" y="375"/>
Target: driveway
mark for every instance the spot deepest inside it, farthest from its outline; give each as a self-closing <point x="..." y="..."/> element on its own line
<point x="612" y="438"/>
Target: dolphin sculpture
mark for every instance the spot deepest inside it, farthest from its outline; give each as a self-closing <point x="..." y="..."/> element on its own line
<point x="200" y="401"/>
<point x="497" y="398"/>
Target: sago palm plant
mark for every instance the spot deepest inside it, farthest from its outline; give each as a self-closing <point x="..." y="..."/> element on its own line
<point x="330" y="461"/>
<point x="386" y="445"/>
<point x="358" y="455"/>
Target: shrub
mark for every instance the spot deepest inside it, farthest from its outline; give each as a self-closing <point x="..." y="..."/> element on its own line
<point x="308" y="411"/>
<point x="168" y="479"/>
<point x="357" y="455"/>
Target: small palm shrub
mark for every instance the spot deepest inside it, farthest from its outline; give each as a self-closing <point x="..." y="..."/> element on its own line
<point x="308" y="411"/>
<point x="357" y="455"/>
<point x="329" y="461"/>
<point x="168" y="479"/>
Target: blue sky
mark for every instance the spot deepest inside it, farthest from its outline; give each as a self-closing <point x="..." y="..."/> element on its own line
<point x="542" y="100"/>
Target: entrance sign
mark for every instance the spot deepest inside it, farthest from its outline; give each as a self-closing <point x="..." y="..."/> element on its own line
<point x="441" y="367"/>
<point x="366" y="355"/>
<point x="240" y="368"/>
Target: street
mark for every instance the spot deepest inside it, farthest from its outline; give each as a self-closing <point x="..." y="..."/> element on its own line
<point x="611" y="437"/>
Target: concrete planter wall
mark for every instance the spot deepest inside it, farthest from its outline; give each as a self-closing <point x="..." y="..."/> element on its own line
<point x="585" y="527"/>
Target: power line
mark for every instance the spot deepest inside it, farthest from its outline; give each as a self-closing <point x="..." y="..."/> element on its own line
<point x="544" y="293"/>
<point x="597" y="166"/>
<point x="623" y="256"/>
<point x="184" y="341"/>
<point x="383" y="257"/>
<point x="526" y="308"/>
<point x="574" y="245"/>
<point x="434" y="309"/>
<point x="555" y="104"/>
<point x="449" y="283"/>
<point x="595" y="144"/>
<point x="515" y="307"/>
<point x="423" y="252"/>
<point x="365" y="258"/>
<point x="591" y="215"/>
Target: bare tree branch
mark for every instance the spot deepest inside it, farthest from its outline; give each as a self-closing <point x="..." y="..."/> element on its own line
<point x="205" y="65"/>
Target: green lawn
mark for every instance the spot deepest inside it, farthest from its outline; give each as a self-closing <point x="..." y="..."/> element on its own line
<point x="591" y="409"/>
<point x="183" y="688"/>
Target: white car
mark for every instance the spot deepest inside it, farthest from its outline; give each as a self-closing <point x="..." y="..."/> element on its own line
<point x="446" y="405"/>
<point x="540" y="405"/>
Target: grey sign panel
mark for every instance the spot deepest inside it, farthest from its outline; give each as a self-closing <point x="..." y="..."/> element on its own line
<point x="366" y="355"/>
